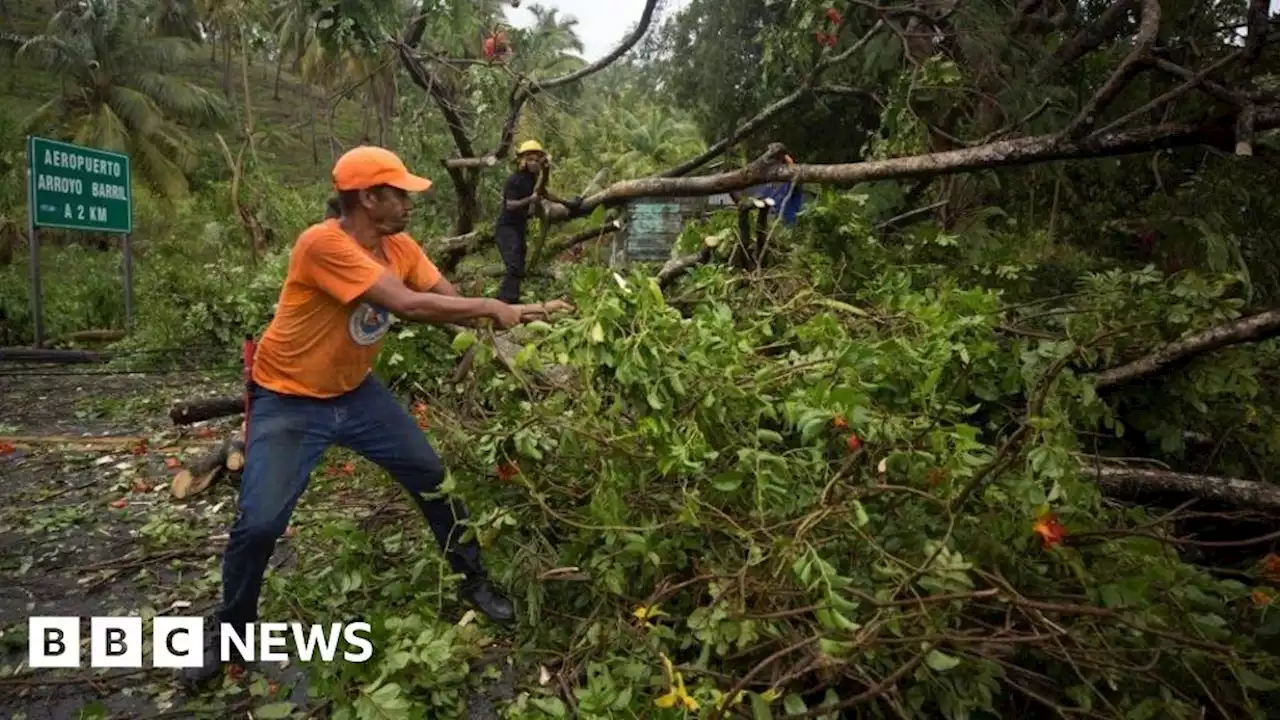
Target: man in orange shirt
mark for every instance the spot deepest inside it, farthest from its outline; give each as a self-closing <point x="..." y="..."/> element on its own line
<point x="312" y="383"/>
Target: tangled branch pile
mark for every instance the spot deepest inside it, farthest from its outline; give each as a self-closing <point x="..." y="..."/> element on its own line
<point x="883" y="501"/>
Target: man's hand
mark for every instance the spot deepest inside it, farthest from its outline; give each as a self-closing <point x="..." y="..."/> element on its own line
<point x="506" y="316"/>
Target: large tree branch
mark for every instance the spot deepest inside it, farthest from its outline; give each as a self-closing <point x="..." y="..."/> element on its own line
<point x="1132" y="64"/>
<point x="1247" y="329"/>
<point x="444" y="98"/>
<point x="1129" y="482"/>
<point x="1003" y="153"/>
<point x="441" y="93"/>
<point x="1106" y="27"/>
<point x="1259" y="10"/>
<point x="523" y="92"/>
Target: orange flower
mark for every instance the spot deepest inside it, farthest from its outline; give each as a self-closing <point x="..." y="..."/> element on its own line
<point x="1051" y="531"/>
<point x="346" y="468"/>
<point x="507" y="471"/>
<point x="1260" y="598"/>
<point x="839" y="422"/>
<point x="420" y="412"/>
<point x="1271" y="565"/>
<point x="6" y="448"/>
<point x="853" y="443"/>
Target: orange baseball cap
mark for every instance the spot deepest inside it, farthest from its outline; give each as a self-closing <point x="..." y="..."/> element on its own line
<point x="366" y="166"/>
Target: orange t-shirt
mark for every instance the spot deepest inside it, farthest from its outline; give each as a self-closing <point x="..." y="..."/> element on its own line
<point x="322" y="342"/>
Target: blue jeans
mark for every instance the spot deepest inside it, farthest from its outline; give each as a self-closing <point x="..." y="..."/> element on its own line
<point x="288" y="435"/>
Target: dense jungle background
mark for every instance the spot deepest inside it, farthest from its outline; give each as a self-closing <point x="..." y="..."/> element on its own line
<point x="988" y="432"/>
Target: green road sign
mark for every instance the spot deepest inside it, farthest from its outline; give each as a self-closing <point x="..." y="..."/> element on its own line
<point x="79" y="188"/>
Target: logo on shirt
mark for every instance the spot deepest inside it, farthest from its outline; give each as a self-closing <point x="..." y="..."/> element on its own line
<point x="368" y="324"/>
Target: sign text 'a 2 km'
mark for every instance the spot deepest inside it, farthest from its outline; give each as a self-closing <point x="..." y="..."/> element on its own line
<point x="79" y="188"/>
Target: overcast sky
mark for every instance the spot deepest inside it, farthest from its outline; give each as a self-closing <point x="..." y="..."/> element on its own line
<point x="601" y="23"/>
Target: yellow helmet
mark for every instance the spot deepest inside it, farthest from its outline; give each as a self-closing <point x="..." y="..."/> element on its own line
<point x="530" y="146"/>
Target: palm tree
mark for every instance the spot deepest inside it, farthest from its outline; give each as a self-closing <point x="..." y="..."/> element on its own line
<point x="551" y="46"/>
<point x="117" y="94"/>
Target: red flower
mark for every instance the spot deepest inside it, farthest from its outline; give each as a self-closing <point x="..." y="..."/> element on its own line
<point x="1051" y="531"/>
<point x="833" y="16"/>
<point x="853" y="443"/>
<point x="507" y="471"/>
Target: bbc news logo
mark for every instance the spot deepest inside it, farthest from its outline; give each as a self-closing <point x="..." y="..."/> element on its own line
<point x="178" y="642"/>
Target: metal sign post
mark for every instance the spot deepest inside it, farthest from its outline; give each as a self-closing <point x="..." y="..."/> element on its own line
<point x="73" y="187"/>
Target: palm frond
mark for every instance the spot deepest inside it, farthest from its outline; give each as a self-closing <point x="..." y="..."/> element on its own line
<point x="159" y="171"/>
<point x="141" y="116"/>
<point x="180" y="99"/>
<point x="43" y="116"/>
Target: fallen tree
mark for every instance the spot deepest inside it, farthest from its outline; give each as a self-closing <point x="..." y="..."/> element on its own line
<point x="1144" y="483"/>
<point x="760" y="489"/>
<point x="1252" y="328"/>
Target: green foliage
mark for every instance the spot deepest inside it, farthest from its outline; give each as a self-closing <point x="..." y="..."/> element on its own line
<point x="118" y="96"/>
<point x="693" y="461"/>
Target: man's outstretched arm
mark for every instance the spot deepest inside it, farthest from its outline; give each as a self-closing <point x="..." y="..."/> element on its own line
<point x="434" y="307"/>
<point x="532" y="311"/>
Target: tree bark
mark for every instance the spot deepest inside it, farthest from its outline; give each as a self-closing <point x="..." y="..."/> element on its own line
<point x="1245" y="494"/>
<point x="57" y="357"/>
<point x="193" y="411"/>
<point x="227" y="456"/>
<point x="275" y="92"/>
<point x="1247" y="329"/>
<point x="1004" y="153"/>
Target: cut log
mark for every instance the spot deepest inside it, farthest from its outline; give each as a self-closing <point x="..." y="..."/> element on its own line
<point x="92" y="336"/>
<point x="59" y="357"/>
<point x="235" y="456"/>
<point x="1233" y="492"/>
<point x="200" y="475"/>
<point x="194" y="411"/>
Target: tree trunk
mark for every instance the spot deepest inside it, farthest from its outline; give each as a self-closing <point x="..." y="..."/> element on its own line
<point x="226" y="65"/>
<point x="275" y="93"/>
<point x="248" y="100"/>
<point x="315" y="133"/>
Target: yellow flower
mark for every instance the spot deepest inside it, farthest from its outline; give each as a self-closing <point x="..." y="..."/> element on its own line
<point x="677" y="694"/>
<point x="645" y="614"/>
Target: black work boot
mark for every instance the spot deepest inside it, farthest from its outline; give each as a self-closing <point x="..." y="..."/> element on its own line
<point x="195" y="678"/>
<point x="485" y="597"/>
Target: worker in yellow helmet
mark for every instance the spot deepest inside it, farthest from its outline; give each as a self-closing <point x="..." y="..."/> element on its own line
<point x="524" y="188"/>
